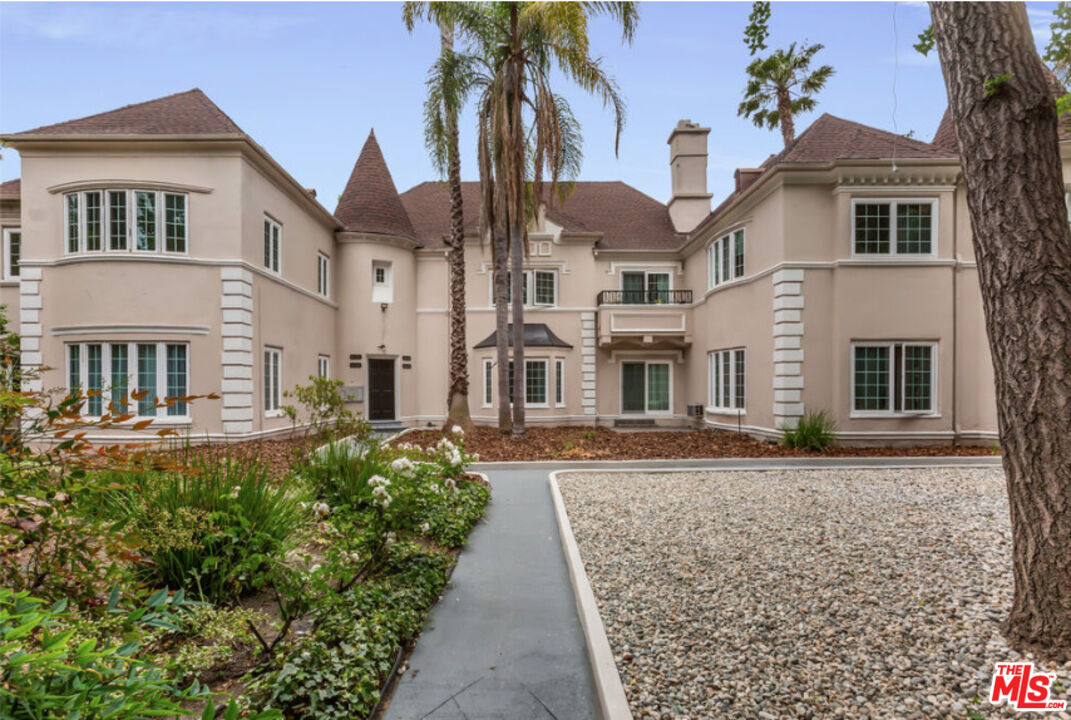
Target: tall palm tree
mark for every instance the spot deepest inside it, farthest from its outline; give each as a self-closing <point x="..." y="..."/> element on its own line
<point x="449" y="83"/>
<point x="781" y="86"/>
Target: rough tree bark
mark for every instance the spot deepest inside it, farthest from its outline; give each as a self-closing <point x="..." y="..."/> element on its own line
<point x="1007" y="135"/>
<point x="784" y="115"/>
<point x="458" y="399"/>
<point x="516" y="168"/>
<point x="501" y="263"/>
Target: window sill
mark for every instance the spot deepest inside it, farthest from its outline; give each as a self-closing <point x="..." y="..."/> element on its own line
<point x="884" y="415"/>
<point x="168" y="421"/>
<point x="274" y="414"/>
<point x="725" y="411"/>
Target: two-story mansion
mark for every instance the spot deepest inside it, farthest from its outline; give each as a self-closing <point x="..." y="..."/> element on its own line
<point x="158" y="247"/>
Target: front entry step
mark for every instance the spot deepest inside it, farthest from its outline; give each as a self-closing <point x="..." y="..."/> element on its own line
<point x="386" y="428"/>
<point x="634" y="422"/>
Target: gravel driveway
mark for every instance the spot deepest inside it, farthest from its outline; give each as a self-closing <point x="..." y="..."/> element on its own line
<point x="810" y="594"/>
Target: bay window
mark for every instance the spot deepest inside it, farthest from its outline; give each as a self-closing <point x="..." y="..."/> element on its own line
<point x="894" y="227"/>
<point x="110" y="374"/>
<point x="894" y="378"/>
<point x="725" y="259"/>
<point x="726" y="380"/>
<point x="124" y="220"/>
<point x="535" y="382"/>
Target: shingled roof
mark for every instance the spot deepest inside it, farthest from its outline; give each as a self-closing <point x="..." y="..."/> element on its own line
<point x="626" y="218"/>
<point x="11" y="188"/>
<point x="832" y="138"/>
<point x="370" y="201"/>
<point x="185" y="113"/>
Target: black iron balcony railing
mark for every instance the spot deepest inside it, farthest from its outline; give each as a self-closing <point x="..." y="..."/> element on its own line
<point x="644" y="297"/>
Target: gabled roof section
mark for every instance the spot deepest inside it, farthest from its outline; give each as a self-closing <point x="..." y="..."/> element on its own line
<point x="370" y="202"/>
<point x="11" y="189"/>
<point x="832" y="138"/>
<point x="185" y="113"/>
<point x="625" y="217"/>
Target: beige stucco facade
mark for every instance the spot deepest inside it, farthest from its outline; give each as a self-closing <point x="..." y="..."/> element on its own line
<point x="371" y="308"/>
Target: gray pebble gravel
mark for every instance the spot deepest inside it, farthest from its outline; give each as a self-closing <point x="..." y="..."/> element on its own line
<point x="800" y="593"/>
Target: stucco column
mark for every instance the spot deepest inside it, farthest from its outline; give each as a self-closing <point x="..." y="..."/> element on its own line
<point x="236" y="303"/>
<point x="788" y="347"/>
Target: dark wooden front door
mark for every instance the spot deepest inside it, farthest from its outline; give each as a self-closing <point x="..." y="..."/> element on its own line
<point x="380" y="389"/>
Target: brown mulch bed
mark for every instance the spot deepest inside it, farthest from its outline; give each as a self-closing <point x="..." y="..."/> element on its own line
<point x="587" y="443"/>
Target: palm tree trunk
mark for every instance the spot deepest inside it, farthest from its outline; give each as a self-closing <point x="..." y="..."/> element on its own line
<point x="784" y="114"/>
<point x="516" y="251"/>
<point x="516" y="167"/>
<point x="501" y="263"/>
<point x="458" y="399"/>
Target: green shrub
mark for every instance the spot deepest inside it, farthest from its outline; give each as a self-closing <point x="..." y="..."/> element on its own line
<point x="213" y="529"/>
<point x="814" y="432"/>
<point x="325" y="408"/>
<point x="338" y="473"/>
<point x="45" y="674"/>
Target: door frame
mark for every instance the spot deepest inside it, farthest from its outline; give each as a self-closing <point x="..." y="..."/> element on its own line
<point x="368" y="385"/>
<point x="621" y="386"/>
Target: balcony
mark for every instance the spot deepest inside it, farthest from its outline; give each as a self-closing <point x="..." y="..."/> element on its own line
<point x="644" y="297"/>
<point x="644" y="319"/>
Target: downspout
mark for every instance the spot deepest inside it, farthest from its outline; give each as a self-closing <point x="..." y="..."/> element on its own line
<point x="955" y="314"/>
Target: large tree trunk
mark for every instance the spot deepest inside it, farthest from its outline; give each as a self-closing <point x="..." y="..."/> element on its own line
<point x="1007" y="135"/>
<point x="501" y="263"/>
<point x="784" y="116"/>
<point x="458" y="399"/>
<point x="516" y="251"/>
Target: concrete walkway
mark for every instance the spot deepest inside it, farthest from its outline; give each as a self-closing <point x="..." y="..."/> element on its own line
<point x="505" y="640"/>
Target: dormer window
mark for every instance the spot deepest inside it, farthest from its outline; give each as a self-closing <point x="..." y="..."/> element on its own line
<point x="894" y="227"/>
<point x="124" y="220"/>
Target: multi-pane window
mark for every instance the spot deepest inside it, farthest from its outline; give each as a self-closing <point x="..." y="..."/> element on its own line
<point x="488" y="382"/>
<point x="645" y="387"/>
<point x="645" y="287"/>
<point x="894" y="377"/>
<point x="538" y="287"/>
<point x="725" y="259"/>
<point x="323" y="274"/>
<point x="125" y="220"/>
<point x="111" y="374"/>
<point x="273" y="369"/>
<point x="12" y="253"/>
<point x="559" y="382"/>
<point x="273" y="233"/>
<point x="893" y="227"/>
<point x="323" y="366"/>
<point x="727" y="381"/>
<point x="535" y="382"/>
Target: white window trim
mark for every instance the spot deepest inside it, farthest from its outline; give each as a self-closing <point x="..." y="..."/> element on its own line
<point x="546" y="382"/>
<point x="131" y="222"/>
<point x="161" y="417"/>
<point x="278" y="390"/>
<point x="8" y="275"/>
<point x="529" y="297"/>
<point x="277" y="249"/>
<point x="323" y="366"/>
<point x="731" y="408"/>
<point x="559" y="383"/>
<point x="893" y="202"/>
<point x="323" y="274"/>
<point x="933" y="412"/>
<point x="487" y="390"/>
<point x="646" y="396"/>
<point x="714" y="247"/>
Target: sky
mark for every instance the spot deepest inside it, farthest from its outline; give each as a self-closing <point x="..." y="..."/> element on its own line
<point x="308" y="81"/>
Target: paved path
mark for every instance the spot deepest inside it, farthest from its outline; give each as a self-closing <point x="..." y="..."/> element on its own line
<point x="504" y="642"/>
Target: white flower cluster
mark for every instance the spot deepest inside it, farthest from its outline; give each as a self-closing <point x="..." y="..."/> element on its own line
<point x="425" y="528"/>
<point x="451" y="451"/>
<point x="235" y="491"/>
<point x="379" y="485"/>
<point x="456" y="430"/>
<point x="321" y="510"/>
<point x="403" y="466"/>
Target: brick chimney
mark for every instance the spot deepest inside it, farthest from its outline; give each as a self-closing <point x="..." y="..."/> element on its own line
<point x="688" y="169"/>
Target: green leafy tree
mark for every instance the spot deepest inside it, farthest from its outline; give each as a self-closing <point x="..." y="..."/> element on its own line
<point x="1058" y="51"/>
<point x="781" y="85"/>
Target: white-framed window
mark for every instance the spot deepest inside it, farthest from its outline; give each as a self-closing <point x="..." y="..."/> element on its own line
<point x="12" y="252"/>
<point x="323" y="274"/>
<point x="725" y="259"/>
<point x="539" y="288"/>
<point x="894" y="378"/>
<point x="323" y="366"/>
<point x="488" y="382"/>
<point x="536" y="382"/>
<point x="646" y="287"/>
<point x="727" y="380"/>
<point x="126" y="220"/>
<point x="135" y="377"/>
<point x="273" y="374"/>
<point x="646" y="386"/>
<point x="559" y="382"/>
<point x="273" y="244"/>
<point x="382" y="281"/>
<point x="905" y="226"/>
